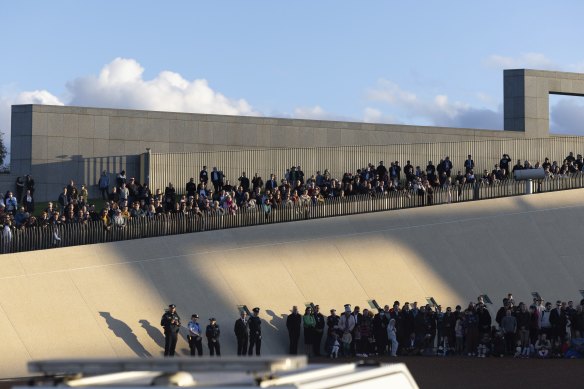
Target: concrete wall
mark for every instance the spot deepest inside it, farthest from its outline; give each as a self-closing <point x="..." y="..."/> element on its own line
<point x="526" y="98"/>
<point x="55" y="143"/>
<point x="107" y="299"/>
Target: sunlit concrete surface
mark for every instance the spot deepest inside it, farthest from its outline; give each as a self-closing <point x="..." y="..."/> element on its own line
<point x="107" y="299"/>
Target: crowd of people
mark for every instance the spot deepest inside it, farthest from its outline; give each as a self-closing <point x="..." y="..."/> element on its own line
<point x="519" y="330"/>
<point x="213" y="193"/>
<point x="534" y="330"/>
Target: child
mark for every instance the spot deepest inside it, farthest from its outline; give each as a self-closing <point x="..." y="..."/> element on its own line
<point x="459" y="332"/>
<point x="335" y="348"/>
<point x="542" y="346"/>
<point x="484" y="346"/>
<point x="346" y="340"/>
<point x="518" y="350"/>
<point x="499" y="344"/>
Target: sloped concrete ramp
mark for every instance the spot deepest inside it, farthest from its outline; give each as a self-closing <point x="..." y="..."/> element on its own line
<point x="106" y="300"/>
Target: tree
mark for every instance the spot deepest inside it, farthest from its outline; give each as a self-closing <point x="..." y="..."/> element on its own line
<point x="3" y="150"/>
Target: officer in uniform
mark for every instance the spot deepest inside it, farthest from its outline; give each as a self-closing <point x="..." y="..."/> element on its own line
<point x="213" y="333"/>
<point x="255" y="333"/>
<point x="171" y="323"/>
<point x="194" y="337"/>
<point x="242" y="333"/>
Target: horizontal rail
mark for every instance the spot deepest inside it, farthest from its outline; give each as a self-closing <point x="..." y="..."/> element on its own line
<point x="91" y="232"/>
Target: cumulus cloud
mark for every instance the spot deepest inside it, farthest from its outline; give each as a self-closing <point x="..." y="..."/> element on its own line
<point x="567" y="117"/>
<point x="121" y="84"/>
<point x="5" y="104"/>
<point x="29" y="97"/>
<point x="439" y="111"/>
<point x="37" y="97"/>
<point x="316" y="113"/>
<point x="523" y="61"/>
<point x="538" y="61"/>
<point x="374" y="115"/>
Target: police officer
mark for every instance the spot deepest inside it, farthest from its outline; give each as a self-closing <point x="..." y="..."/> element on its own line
<point x="241" y="330"/>
<point x="255" y="332"/>
<point x="171" y="323"/>
<point x="213" y="333"/>
<point x="194" y="337"/>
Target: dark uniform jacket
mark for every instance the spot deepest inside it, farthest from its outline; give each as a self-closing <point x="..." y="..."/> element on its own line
<point x="168" y="324"/>
<point x="255" y="326"/>
<point x="213" y="332"/>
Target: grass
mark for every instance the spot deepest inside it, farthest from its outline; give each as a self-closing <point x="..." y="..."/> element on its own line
<point x="41" y="206"/>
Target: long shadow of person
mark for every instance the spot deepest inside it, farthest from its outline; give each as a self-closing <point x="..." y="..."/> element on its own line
<point x="277" y="328"/>
<point x="123" y="331"/>
<point x="153" y="332"/>
<point x="278" y="322"/>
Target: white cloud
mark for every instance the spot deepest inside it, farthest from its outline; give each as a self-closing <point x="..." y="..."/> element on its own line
<point x="37" y="97"/>
<point x="524" y="61"/>
<point x="374" y="115"/>
<point x="567" y="117"/>
<point x="5" y="104"/>
<point x="439" y="111"/>
<point x="121" y="84"/>
<point x="316" y="113"/>
<point x="30" y="97"/>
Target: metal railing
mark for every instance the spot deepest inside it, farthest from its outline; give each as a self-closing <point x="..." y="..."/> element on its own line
<point x="38" y="238"/>
<point x="161" y="168"/>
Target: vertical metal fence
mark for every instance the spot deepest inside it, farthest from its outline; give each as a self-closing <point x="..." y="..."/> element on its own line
<point x="74" y="234"/>
<point x="177" y="168"/>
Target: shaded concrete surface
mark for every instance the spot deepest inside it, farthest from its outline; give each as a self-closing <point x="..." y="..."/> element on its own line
<point x="53" y="302"/>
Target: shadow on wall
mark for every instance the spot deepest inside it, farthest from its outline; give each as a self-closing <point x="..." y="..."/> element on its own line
<point x="123" y="331"/>
<point x="51" y="177"/>
<point x="153" y="333"/>
<point x="274" y="327"/>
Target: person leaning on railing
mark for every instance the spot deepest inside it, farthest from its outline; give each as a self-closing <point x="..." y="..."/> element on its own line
<point x="367" y="181"/>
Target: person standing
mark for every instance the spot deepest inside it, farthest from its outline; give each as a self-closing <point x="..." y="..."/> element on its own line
<point x="469" y="164"/>
<point x="293" y="325"/>
<point x="392" y="337"/>
<point x="204" y="176"/>
<point x="103" y="185"/>
<point x="121" y="179"/>
<point x="194" y="337"/>
<point x="242" y="333"/>
<point x="19" y="188"/>
<point x="171" y="323"/>
<point x="29" y="184"/>
<point x="28" y="202"/>
<point x="213" y="333"/>
<point x="509" y="326"/>
<point x="191" y="188"/>
<point x="318" y="330"/>
<point x="241" y="330"/>
<point x="255" y="333"/>
<point x="217" y="179"/>
<point x="309" y="324"/>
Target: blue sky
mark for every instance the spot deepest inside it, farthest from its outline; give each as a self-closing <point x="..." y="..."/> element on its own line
<point x="416" y="62"/>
